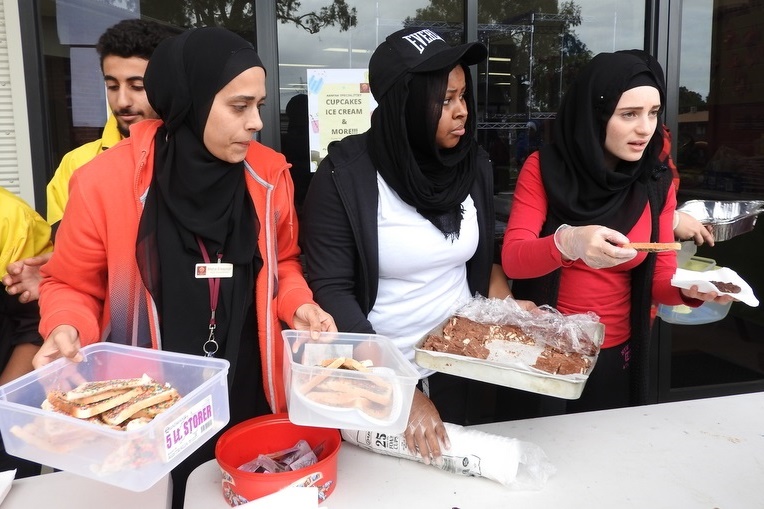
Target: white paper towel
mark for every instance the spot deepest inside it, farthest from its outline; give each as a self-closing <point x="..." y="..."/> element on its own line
<point x="688" y="278"/>
<point x="6" y="480"/>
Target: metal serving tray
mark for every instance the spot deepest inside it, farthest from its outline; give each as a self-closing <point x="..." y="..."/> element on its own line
<point x="517" y="376"/>
<point x="728" y="218"/>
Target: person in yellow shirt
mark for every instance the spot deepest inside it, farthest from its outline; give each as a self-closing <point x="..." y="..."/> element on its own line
<point x="23" y="233"/>
<point x="124" y="51"/>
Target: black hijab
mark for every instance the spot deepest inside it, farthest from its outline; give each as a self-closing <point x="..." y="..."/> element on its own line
<point x="581" y="189"/>
<point x="402" y="144"/>
<point x="194" y="196"/>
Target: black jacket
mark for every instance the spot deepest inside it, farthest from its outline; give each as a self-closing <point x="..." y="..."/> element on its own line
<point x="338" y="233"/>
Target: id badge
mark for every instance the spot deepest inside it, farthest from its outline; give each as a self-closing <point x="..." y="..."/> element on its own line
<point x="213" y="270"/>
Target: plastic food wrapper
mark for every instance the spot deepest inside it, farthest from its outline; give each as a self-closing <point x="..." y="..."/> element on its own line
<point x="294" y="458"/>
<point x="545" y="324"/>
<point x="688" y="278"/>
<point x="514" y="463"/>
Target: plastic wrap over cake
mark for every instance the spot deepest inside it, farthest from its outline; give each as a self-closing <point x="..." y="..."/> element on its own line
<point x="497" y="341"/>
<point x="545" y="325"/>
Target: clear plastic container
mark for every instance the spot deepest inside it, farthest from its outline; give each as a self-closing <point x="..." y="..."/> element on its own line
<point x="375" y="400"/>
<point x="709" y="312"/>
<point x="132" y="459"/>
<point x="699" y="264"/>
<point x="683" y="255"/>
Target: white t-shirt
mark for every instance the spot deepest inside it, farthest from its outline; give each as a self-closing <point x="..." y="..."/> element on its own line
<point x="422" y="274"/>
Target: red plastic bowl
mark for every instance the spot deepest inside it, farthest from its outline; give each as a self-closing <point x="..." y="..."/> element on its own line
<point x="267" y="434"/>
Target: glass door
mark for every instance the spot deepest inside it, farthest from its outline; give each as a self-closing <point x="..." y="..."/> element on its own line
<point x="535" y="49"/>
<point x="719" y="147"/>
<point x="337" y="50"/>
<point x="71" y="80"/>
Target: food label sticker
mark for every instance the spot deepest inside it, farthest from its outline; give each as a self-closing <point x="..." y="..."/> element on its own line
<point x="210" y="270"/>
<point x="187" y="428"/>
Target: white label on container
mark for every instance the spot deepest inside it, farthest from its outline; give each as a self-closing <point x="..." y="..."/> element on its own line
<point x="187" y="428"/>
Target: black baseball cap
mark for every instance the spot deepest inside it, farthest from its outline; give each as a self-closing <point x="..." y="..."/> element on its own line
<point x="416" y="50"/>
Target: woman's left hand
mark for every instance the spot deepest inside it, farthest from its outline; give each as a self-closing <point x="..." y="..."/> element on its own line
<point x="689" y="228"/>
<point x="715" y="297"/>
<point x="311" y="317"/>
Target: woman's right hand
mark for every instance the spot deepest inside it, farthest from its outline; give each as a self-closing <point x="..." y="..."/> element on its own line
<point x="425" y="432"/>
<point x="63" y="341"/>
<point x="596" y="246"/>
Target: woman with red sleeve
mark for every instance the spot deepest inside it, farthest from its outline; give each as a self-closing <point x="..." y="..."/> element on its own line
<point x="599" y="186"/>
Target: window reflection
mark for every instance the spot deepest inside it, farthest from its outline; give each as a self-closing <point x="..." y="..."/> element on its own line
<point x="535" y="50"/>
<point x="348" y="47"/>
<point x="338" y="47"/>
<point x="720" y="156"/>
<point x="720" y="139"/>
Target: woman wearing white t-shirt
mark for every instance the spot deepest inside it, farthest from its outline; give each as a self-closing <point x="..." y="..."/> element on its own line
<point x="398" y="222"/>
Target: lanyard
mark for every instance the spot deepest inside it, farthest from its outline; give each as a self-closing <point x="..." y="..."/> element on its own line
<point x="211" y="346"/>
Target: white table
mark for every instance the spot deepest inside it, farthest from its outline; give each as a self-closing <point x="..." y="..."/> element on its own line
<point x="62" y="490"/>
<point x="693" y="454"/>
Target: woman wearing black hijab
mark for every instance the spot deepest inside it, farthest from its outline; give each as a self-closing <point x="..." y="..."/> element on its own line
<point x="597" y="187"/>
<point x="187" y="196"/>
<point x="398" y="222"/>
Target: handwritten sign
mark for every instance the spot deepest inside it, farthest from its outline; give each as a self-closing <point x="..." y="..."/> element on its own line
<point x="339" y="104"/>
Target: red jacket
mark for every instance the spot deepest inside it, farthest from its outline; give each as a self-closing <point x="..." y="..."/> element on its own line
<point x="92" y="282"/>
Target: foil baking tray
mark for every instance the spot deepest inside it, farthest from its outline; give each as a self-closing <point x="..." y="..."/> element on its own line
<point x="517" y="375"/>
<point x="728" y="219"/>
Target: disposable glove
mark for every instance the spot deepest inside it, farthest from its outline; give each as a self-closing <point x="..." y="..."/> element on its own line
<point x="425" y="432"/>
<point x="596" y="246"/>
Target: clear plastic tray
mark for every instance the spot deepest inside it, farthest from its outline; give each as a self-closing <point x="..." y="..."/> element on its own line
<point x="132" y="459"/>
<point x="348" y="409"/>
